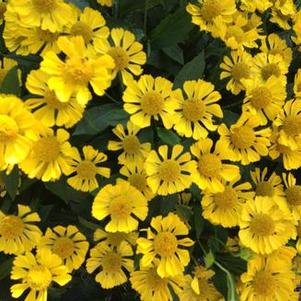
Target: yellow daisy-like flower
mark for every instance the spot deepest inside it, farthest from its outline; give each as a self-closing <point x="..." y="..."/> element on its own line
<point x="224" y="208"/>
<point x="47" y="108"/>
<point x="211" y="166"/>
<point x="148" y="99"/>
<point x="253" y="5"/>
<point x="18" y="233"/>
<point x="79" y="69"/>
<point x="265" y="226"/>
<point x="68" y="243"/>
<point x="16" y="122"/>
<point x="194" y="110"/>
<point x="169" y="171"/>
<point x="243" y="142"/>
<point x="282" y="13"/>
<point x="123" y="203"/>
<point x="108" y="3"/>
<point x="49" y="155"/>
<point x="83" y="171"/>
<point x="127" y="53"/>
<point x="288" y="122"/>
<point x="236" y="67"/>
<point x="134" y="152"/>
<point x="163" y="243"/>
<point x="264" y="99"/>
<point x="37" y="273"/>
<point x="297" y="84"/>
<point x="6" y="65"/>
<point x="112" y="263"/>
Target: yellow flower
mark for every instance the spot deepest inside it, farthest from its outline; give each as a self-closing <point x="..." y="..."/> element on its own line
<point x="236" y="67"/>
<point x="297" y="28"/>
<point x="18" y="233"/>
<point x="282" y="13"/>
<point x="6" y="65"/>
<point x="47" y="108"/>
<point x="127" y="53"/>
<point x="224" y="208"/>
<point x="68" y="243"/>
<point x="149" y="98"/>
<point x="252" y="5"/>
<point x="169" y="171"/>
<point x="265" y="226"/>
<point x="243" y="142"/>
<point x="211" y="166"/>
<point x="112" y="262"/>
<point x="298" y="244"/>
<point x="84" y="171"/>
<point x="195" y="109"/>
<point x="16" y="124"/>
<point x="163" y="243"/>
<point x="2" y="10"/>
<point x="49" y="155"/>
<point x="37" y="274"/>
<point x="105" y="2"/>
<point x="134" y="152"/>
<point x="123" y="203"/>
<point x="79" y="69"/>
<point x="264" y="99"/>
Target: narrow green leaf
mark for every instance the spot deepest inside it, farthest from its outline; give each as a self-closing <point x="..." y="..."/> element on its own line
<point x="198" y="221"/>
<point x="87" y="224"/>
<point x="168" y="136"/>
<point x="209" y="259"/>
<point x="5" y="268"/>
<point x="175" y="53"/>
<point x="11" y="83"/>
<point x="11" y="182"/>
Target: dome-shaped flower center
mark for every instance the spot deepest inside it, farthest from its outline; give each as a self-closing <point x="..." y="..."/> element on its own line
<point x="235" y="32"/>
<point x="8" y="128"/>
<point x="138" y="181"/>
<point x="63" y="247"/>
<point x="209" y="165"/>
<point x="154" y="281"/>
<point x="269" y="70"/>
<point x="131" y="145"/>
<point x="11" y="227"/>
<point x="227" y="199"/>
<point x="46" y="35"/>
<point x="169" y="171"/>
<point x="292" y="125"/>
<point x="86" y="169"/>
<point x="39" y="277"/>
<point x="262" y="225"/>
<point x="263" y="284"/>
<point x="78" y="71"/>
<point x="194" y="109"/>
<point x="261" y="98"/>
<point x="240" y="70"/>
<point x="211" y="9"/>
<point x="82" y="29"/>
<point x="120" y="57"/>
<point x="53" y="102"/>
<point x="293" y="195"/>
<point x="111" y="262"/>
<point x="120" y="207"/>
<point x="44" y="6"/>
<point x="152" y="103"/>
<point x="243" y="137"/>
<point x="46" y="149"/>
<point x="264" y="188"/>
<point x="165" y="244"/>
<point x="2" y="10"/>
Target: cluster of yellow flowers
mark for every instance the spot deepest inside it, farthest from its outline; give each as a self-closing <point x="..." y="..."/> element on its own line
<point x="80" y="58"/>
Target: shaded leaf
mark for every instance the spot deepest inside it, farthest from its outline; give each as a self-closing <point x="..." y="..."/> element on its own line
<point x="168" y="136"/>
<point x="5" y="267"/>
<point x="209" y="259"/>
<point x="11" y="182"/>
<point x="175" y="53"/>
<point x="11" y="83"/>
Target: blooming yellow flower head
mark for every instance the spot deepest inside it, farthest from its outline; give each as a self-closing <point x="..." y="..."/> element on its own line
<point x="37" y="273"/>
<point x="162" y="243"/>
<point x="123" y="203"/>
<point x="282" y="13"/>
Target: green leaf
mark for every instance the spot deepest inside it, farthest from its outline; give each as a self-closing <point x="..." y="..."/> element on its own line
<point x="87" y="224"/>
<point x="168" y="136"/>
<point x="184" y="211"/>
<point x="11" y="182"/>
<point x="171" y="30"/>
<point x="5" y="267"/>
<point x="11" y="83"/>
<point x="191" y="71"/>
<point x="175" y="53"/>
<point x="198" y="221"/>
<point x="129" y="6"/>
<point x="209" y="259"/>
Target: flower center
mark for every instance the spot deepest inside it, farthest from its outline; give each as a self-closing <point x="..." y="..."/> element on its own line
<point x="86" y="169"/>
<point x="11" y="227"/>
<point x="154" y="281"/>
<point x="131" y="145"/>
<point x="46" y="149"/>
<point x="120" y="207"/>
<point x="111" y="262"/>
<point x="82" y="29"/>
<point x="165" y="244"/>
<point x="44" y="6"/>
<point x="46" y="35"/>
<point x="78" y="71"/>
<point x="138" y="181"/>
<point x="243" y="137"/>
<point x="39" y="277"/>
<point x="152" y="103"/>
<point x="227" y="199"/>
<point x="261" y="98"/>
<point x="169" y="171"/>
<point x="53" y="102"/>
<point x="8" y="129"/>
<point x="120" y="58"/>
<point x="264" y="189"/>
<point x="263" y="284"/>
<point x="211" y="9"/>
<point x="269" y="70"/>
<point x="63" y="247"/>
<point x="193" y="110"/>
<point x="292" y="125"/>
<point x="262" y="225"/>
<point x="209" y="165"/>
<point x="240" y="70"/>
<point x="293" y="195"/>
